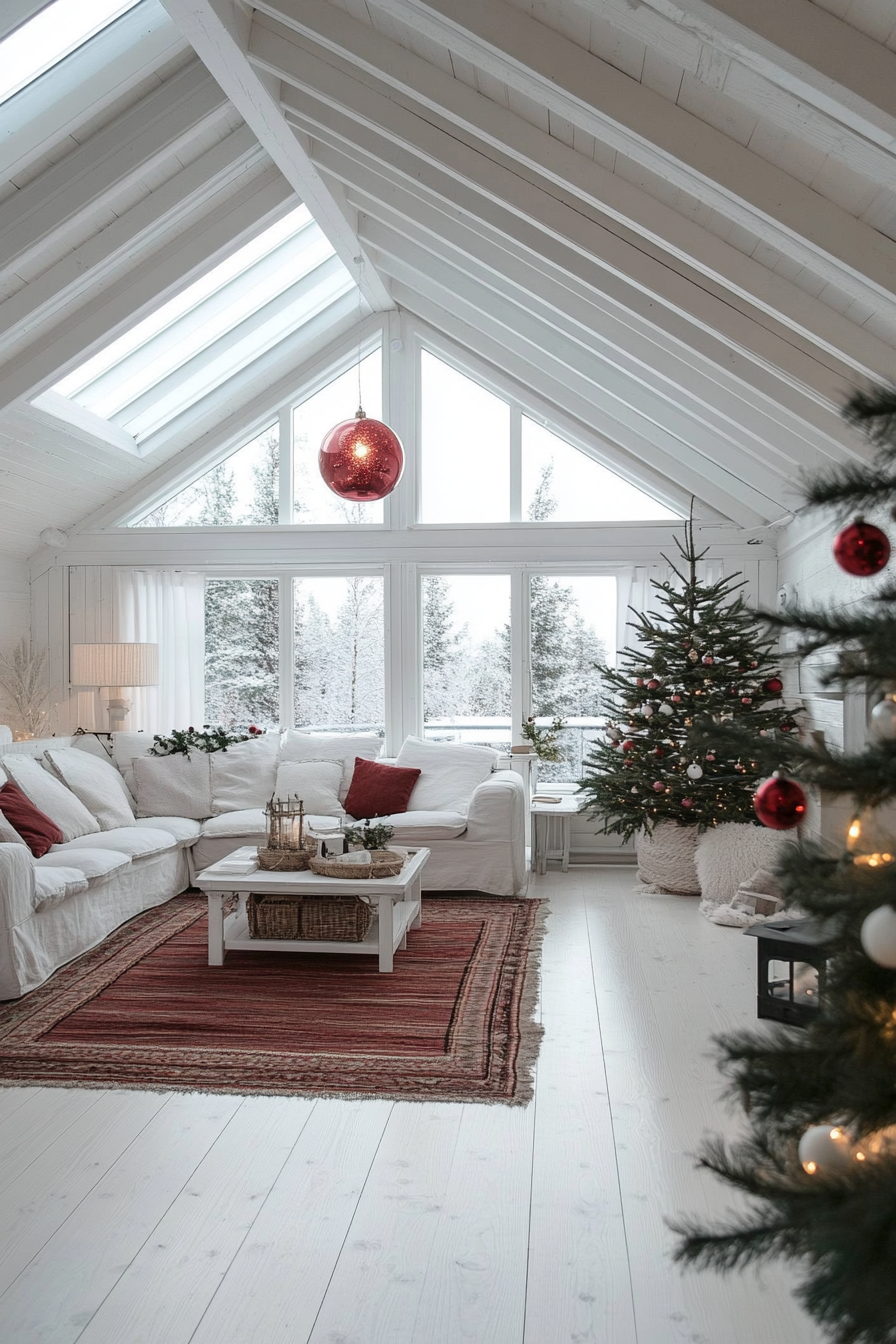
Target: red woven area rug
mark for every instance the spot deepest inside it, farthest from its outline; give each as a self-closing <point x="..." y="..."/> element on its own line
<point x="453" y="1021"/>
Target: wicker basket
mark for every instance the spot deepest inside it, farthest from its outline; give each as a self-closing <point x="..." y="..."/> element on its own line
<point x="384" y="863"/>
<point x="284" y="860"/>
<point x="343" y="919"/>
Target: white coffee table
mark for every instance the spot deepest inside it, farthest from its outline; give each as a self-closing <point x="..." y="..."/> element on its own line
<point x="542" y="816"/>
<point x="396" y="901"/>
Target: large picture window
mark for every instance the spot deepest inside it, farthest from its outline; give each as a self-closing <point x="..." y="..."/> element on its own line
<point x="467" y="658"/>
<point x="244" y="488"/>
<point x="339" y="667"/>
<point x="242" y="652"/>
<point x="313" y="501"/>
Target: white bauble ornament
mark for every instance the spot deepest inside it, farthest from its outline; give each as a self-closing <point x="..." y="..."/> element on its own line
<point x="825" y="1149"/>
<point x="693" y="655"/>
<point x="666" y="709"/>
<point x="883" y="720"/>
<point x="879" y="936"/>
<point x="695" y="771"/>
<point x="647" y="711"/>
<point x="635" y="789"/>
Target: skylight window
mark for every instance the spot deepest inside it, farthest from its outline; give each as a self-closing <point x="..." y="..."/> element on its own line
<point x="195" y="341"/>
<point x="54" y="33"/>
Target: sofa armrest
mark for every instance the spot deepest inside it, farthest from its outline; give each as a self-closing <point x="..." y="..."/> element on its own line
<point x="497" y="808"/>
<point x="16" y="907"/>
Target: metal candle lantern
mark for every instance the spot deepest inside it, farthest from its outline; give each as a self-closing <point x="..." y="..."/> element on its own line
<point x="287" y="847"/>
<point x="790" y="969"/>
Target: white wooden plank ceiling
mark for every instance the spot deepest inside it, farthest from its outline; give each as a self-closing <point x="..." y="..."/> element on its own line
<point x="675" y="220"/>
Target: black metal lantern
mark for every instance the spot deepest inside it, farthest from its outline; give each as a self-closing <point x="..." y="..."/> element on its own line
<point x="791" y="969"/>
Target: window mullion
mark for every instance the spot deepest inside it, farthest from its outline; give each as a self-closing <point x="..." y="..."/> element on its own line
<point x="287" y="466"/>
<point x="516" y="464"/>
<point x="287" y="651"/>
<point x="520" y="690"/>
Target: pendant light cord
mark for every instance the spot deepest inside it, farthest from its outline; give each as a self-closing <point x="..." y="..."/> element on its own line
<point x="360" y="264"/>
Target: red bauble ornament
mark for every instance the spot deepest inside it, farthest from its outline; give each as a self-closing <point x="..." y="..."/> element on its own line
<point x="779" y="803"/>
<point x="687" y="802"/>
<point x="658" y="751"/>
<point x="774" y="685"/>
<point x="746" y="699"/>
<point x="676" y="699"/>
<point x="640" y="681"/>
<point x="710" y="756"/>
<point x="658" y="786"/>
<point x="861" y="548"/>
<point x="361" y="459"/>
<point x="786" y="727"/>
<point x="709" y="660"/>
<point x="628" y="746"/>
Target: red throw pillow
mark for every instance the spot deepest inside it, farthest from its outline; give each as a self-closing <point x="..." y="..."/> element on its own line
<point x="34" y="826"/>
<point x="379" y="790"/>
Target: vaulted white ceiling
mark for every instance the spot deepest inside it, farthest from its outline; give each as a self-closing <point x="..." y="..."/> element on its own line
<point x="675" y="220"/>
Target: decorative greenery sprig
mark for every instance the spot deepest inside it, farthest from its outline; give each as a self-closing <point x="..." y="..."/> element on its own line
<point x="209" y="738"/>
<point x="545" y="740"/>
<point x="376" y="836"/>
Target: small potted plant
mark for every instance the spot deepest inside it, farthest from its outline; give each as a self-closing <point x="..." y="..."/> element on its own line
<point x="544" y="741"/>
<point x="369" y="835"/>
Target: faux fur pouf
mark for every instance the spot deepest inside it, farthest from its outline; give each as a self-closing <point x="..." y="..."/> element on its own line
<point x="666" y="859"/>
<point x="729" y="855"/>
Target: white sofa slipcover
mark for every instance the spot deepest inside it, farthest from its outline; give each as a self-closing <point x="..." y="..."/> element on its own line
<point x="480" y="848"/>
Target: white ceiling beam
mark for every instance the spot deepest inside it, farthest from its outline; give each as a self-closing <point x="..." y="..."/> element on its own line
<point x="804" y="47"/>
<point x="626" y="399"/>
<point x="732" y="408"/>
<point x="17" y="12"/>
<point x="509" y="45"/>
<point x="154" y="129"/>
<point x="613" y="196"/>
<point x="85" y="83"/>
<point x="218" y="31"/>
<point x="400" y="69"/>
<point x="154" y="276"/>
<point x="77" y="420"/>
<point x="357" y="118"/>
<point x="77" y="277"/>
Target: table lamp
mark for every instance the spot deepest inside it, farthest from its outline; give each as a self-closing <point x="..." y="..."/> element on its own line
<point x="111" y="667"/>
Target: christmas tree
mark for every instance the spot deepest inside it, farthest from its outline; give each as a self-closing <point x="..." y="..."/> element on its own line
<point x="703" y="653"/>
<point x="819" y="1157"/>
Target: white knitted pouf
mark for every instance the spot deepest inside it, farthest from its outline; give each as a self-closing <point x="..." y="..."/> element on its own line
<point x="730" y="854"/>
<point x="666" y="859"/>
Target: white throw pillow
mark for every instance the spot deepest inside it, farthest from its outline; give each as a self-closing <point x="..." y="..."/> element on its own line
<point x="173" y="786"/>
<point x="97" y="783"/>
<point x="53" y="885"/>
<point x="250" y="822"/>
<point x="344" y="747"/>
<point x="126" y="746"/>
<point x="449" y="773"/>
<point x="50" y="797"/>
<point x="316" y="783"/>
<point x="183" y="830"/>
<point x="93" y="863"/>
<point x="244" y="775"/>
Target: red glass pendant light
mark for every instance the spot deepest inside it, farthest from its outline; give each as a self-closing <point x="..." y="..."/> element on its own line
<point x="361" y="459"/>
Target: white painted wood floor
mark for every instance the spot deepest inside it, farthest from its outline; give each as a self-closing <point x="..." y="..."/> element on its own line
<point x="137" y="1218"/>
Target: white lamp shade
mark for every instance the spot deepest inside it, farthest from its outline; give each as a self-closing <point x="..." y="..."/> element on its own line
<point x="115" y="665"/>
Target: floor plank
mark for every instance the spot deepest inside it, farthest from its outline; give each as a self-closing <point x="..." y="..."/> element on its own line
<point x="378" y="1280"/>
<point x="161" y="1296"/>
<point x="37" y="1203"/>
<point x="579" y="1287"/>
<point x="32" y="1127"/>
<point x="297" y="1237"/>
<point x="50" y="1303"/>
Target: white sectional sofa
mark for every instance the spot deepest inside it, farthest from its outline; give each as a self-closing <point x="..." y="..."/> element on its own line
<point x="135" y="837"/>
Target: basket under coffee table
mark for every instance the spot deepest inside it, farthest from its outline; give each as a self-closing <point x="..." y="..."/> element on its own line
<point x="396" y="901"/>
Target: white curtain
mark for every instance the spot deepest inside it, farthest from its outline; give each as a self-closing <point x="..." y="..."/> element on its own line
<point x="165" y="607"/>
<point x="635" y="593"/>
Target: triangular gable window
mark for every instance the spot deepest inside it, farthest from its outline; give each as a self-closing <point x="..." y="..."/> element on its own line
<point x="561" y="484"/>
<point x="244" y="488"/>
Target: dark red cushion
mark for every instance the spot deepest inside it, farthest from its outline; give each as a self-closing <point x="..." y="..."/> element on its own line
<point x="379" y="790"/>
<point x="34" y="826"/>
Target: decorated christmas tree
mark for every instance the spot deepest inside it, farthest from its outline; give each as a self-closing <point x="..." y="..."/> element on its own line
<point x="819" y="1158"/>
<point x="704" y="652"/>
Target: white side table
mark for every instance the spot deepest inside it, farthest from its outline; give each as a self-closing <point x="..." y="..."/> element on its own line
<point x="547" y="817"/>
